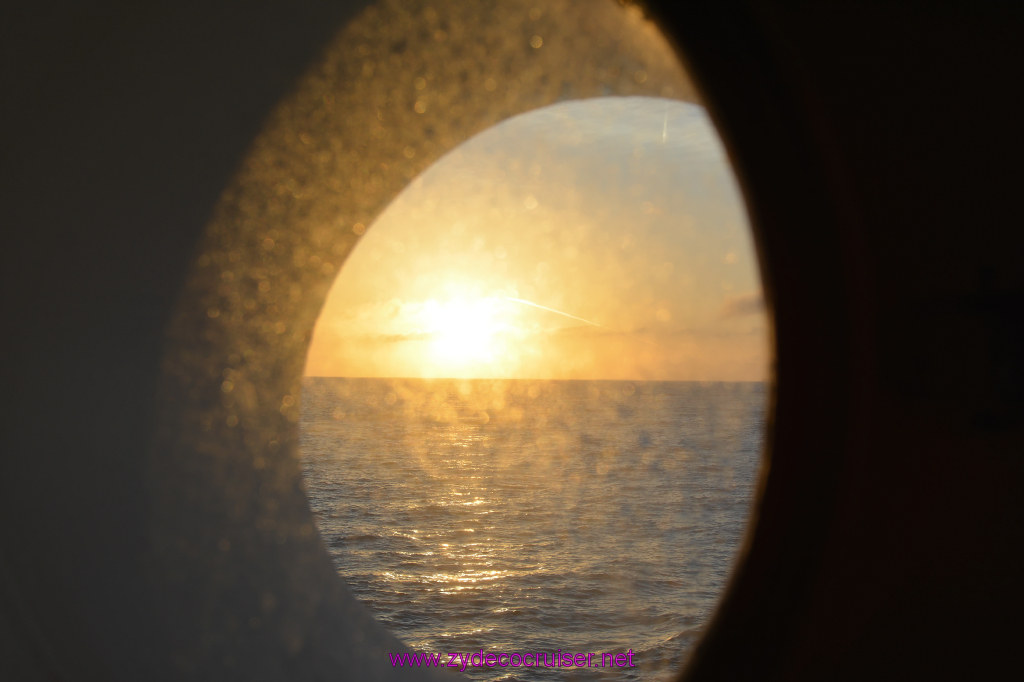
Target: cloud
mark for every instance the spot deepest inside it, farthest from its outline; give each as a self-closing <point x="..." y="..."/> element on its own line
<point x="399" y="338"/>
<point x="743" y="304"/>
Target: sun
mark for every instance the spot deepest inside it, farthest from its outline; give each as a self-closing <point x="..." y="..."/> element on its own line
<point x="465" y="332"/>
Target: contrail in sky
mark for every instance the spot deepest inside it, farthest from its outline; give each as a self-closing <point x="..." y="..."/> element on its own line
<point x="550" y="310"/>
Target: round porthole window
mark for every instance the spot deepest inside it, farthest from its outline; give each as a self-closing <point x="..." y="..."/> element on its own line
<point x="535" y="396"/>
<point x="534" y="403"/>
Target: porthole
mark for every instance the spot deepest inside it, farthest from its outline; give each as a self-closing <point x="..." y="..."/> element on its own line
<point x="538" y="377"/>
<point x="385" y="103"/>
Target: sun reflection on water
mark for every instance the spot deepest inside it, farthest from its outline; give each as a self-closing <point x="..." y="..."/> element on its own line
<point x="553" y="521"/>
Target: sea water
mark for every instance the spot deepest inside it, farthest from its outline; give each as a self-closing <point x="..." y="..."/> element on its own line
<point x="533" y="516"/>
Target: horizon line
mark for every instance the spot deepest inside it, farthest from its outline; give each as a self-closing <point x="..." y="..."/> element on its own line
<point x="411" y="378"/>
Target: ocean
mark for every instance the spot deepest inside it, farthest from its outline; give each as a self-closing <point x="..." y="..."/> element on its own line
<point x="535" y="516"/>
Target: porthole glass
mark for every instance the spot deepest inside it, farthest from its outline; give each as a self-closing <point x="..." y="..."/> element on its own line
<point x="534" y="400"/>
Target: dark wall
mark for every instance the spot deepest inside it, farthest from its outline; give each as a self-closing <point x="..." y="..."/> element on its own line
<point x="878" y="144"/>
<point x="122" y="124"/>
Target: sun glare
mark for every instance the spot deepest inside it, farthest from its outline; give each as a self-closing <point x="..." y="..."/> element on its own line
<point x="599" y="239"/>
<point x="466" y="331"/>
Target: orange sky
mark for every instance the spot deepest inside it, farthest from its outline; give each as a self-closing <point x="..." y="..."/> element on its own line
<point x="594" y="239"/>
